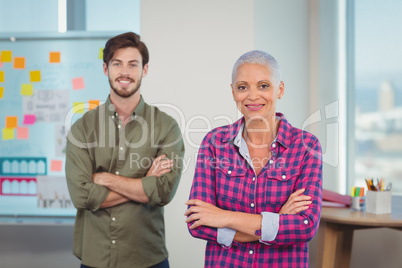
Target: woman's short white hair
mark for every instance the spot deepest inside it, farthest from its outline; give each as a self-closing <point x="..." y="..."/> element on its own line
<point x="259" y="57"/>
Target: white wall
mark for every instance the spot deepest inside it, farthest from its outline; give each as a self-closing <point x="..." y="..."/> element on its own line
<point x="193" y="46"/>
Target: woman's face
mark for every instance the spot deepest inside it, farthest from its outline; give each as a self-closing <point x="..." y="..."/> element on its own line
<point x="255" y="91"/>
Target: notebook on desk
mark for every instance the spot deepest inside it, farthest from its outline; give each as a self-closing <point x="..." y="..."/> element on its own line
<point x="334" y="199"/>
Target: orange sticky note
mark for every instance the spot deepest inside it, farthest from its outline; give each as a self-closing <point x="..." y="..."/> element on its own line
<point x="93" y="104"/>
<point x="8" y="133"/>
<point x="6" y="56"/>
<point x="34" y="76"/>
<point x="101" y="53"/>
<point x="19" y="63"/>
<point x="1" y="92"/>
<point x="22" y="133"/>
<point x="11" y="121"/>
<point x="78" y="83"/>
<point x="26" y="90"/>
<point x="1" y="76"/>
<point x="54" y="57"/>
<point x="56" y="165"/>
<point x="78" y="107"/>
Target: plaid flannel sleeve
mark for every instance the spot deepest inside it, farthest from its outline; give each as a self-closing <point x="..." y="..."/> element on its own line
<point x="302" y="227"/>
<point x="203" y="187"/>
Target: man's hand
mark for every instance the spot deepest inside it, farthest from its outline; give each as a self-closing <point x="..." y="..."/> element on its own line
<point x="296" y="203"/>
<point x="203" y="213"/>
<point x="160" y="166"/>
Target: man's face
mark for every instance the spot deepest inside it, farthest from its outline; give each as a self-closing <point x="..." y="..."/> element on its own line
<point x="125" y="71"/>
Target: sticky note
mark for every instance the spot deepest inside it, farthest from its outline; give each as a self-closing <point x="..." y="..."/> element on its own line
<point x="6" y="56"/>
<point x="22" y="133"/>
<point x="34" y="76"/>
<point x="29" y="119"/>
<point x="26" y="89"/>
<point x="54" y="57"/>
<point x="101" y="53"/>
<point x="19" y="63"/>
<point x="11" y="121"/>
<point x="56" y="165"/>
<point x="8" y="133"/>
<point x="1" y="76"/>
<point x="78" y="107"/>
<point x="1" y="92"/>
<point x="78" y="83"/>
<point x="93" y="104"/>
<point x="1" y="63"/>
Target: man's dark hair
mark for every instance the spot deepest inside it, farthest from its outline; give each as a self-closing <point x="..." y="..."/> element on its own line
<point x="124" y="40"/>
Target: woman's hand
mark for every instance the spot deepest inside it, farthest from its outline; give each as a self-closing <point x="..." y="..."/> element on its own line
<point x="203" y="213"/>
<point x="296" y="203"/>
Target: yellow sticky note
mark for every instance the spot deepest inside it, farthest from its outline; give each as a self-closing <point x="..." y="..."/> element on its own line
<point x="19" y="63"/>
<point x="1" y="76"/>
<point x="1" y="92"/>
<point x="26" y="90"/>
<point x="22" y="133"/>
<point x="8" y="133"/>
<point x="101" y="53"/>
<point x="6" y="56"/>
<point x="93" y="104"/>
<point x="11" y="121"/>
<point x="54" y="57"/>
<point x="35" y="76"/>
<point x="78" y="107"/>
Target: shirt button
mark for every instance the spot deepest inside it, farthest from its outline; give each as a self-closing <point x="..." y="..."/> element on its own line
<point x="251" y="252"/>
<point x="273" y="145"/>
<point x="113" y="219"/>
<point x="112" y="116"/>
<point x="135" y="116"/>
<point x="117" y="173"/>
<point x="121" y="148"/>
<point x="113" y="241"/>
<point x="271" y="161"/>
<point x="306" y="222"/>
<point x="252" y="205"/>
<point x="283" y="176"/>
<point x="118" y="126"/>
<point x="253" y="178"/>
<point x="229" y="172"/>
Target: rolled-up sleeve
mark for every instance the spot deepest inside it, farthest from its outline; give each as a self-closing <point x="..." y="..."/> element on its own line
<point x="161" y="190"/>
<point x="302" y="227"/>
<point x="79" y="168"/>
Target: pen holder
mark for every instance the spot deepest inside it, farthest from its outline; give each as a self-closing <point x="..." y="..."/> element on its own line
<point x="378" y="202"/>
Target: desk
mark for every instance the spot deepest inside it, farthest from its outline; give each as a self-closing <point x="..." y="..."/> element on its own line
<point x="335" y="234"/>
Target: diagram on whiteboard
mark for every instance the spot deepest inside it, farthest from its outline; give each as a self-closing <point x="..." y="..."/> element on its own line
<point x="42" y="79"/>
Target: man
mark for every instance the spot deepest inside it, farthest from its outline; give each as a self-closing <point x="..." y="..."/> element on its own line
<point x="118" y="194"/>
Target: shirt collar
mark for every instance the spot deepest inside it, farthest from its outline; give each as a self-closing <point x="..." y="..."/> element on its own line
<point x="139" y="110"/>
<point x="235" y="131"/>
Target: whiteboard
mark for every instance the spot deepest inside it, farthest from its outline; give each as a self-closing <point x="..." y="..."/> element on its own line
<point x="42" y="77"/>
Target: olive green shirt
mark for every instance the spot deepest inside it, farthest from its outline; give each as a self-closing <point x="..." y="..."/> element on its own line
<point x="131" y="234"/>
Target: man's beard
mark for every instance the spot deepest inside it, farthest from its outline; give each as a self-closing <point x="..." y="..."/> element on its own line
<point x="125" y="94"/>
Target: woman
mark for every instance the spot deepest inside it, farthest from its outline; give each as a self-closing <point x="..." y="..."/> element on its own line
<point x="256" y="195"/>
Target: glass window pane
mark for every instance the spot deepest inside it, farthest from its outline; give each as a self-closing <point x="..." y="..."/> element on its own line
<point x="378" y="92"/>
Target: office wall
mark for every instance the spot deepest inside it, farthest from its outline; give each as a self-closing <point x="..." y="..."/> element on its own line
<point x="193" y="46"/>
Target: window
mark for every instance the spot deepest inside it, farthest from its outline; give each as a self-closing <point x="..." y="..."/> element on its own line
<point x="377" y="84"/>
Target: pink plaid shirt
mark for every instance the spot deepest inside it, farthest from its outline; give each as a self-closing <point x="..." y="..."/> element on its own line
<point x="225" y="179"/>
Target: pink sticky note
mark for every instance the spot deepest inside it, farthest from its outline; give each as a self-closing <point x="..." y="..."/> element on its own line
<point x="78" y="83"/>
<point x="29" y="119"/>
<point x="1" y="64"/>
<point x="22" y="133"/>
<point x="56" y="165"/>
